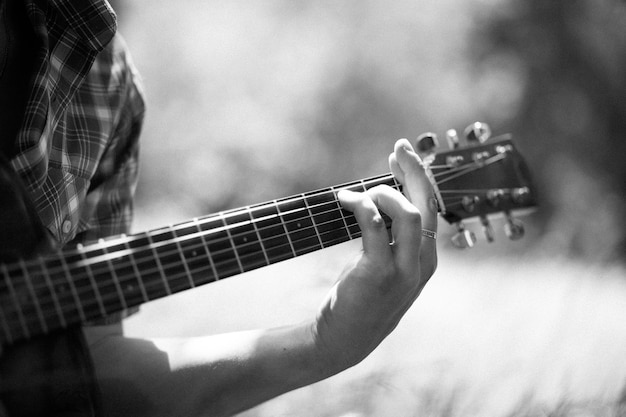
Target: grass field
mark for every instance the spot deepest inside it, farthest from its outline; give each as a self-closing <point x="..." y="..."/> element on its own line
<point x="508" y="336"/>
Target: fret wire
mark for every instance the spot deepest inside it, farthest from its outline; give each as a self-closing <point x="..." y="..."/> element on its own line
<point x="55" y="302"/>
<point x="55" y="299"/>
<point x="308" y="208"/>
<point x="31" y="290"/>
<point x="252" y="254"/>
<point x="397" y="185"/>
<point x="94" y="285"/>
<point x="116" y="281"/>
<point x="360" y="183"/>
<point x="158" y="262"/>
<point x="183" y="259"/>
<point x="206" y="250"/>
<point x="280" y="215"/>
<point x="221" y="251"/>
<point x="160" y="267"/>
<point x="232" y="244"/>
<point x="133" y="263"/>
<point x="305" y="250"/>
<point x="282" y="221"/>
<point x="328" y="211"/>
<point x="70" y="281"/>
<point x="258" y="234"/>
<point x="343" y="217"/>
<point x="235" y="271"/>
<point x="388" y="176"/>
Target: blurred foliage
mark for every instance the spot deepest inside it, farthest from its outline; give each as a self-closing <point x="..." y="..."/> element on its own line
<point x="254" y="101"/>
<point x="572" y="117"/>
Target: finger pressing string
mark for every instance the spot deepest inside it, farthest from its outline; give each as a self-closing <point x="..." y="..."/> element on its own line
<point x="407" y="167"/>
<point x="406" y="223"/>
<point x="374" y="232"/>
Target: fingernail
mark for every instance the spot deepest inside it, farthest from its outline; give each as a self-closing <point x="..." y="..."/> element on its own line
<point x="344" y="194"/>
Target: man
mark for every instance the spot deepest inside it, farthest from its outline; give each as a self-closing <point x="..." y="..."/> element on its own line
<point x="73" y="141"/>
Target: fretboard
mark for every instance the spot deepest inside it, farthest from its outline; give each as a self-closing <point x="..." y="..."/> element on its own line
<point x="90" y="282"/>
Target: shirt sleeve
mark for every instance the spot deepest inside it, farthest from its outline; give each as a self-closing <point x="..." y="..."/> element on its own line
<point x="108" y="205"/>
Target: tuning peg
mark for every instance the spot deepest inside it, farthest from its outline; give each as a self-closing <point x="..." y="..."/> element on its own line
<point x="520" y="195"/>
<point x="514" y="229"/>
<point x="463" y="238"/>
<point x="477" y="132"/>
<point x="487" y="228"/>
<point x="495" y="197"/>
<point x="469" y="203"/>
<point x="453" y="138"/>
<point x="426" y="144"/>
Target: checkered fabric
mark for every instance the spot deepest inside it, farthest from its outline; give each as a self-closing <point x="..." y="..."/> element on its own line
<point x="78" y="144"/>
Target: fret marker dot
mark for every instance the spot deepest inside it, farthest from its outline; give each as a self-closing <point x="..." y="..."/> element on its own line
<point x="245" y="240"/>
<point x="194" y="253"/>
<point x="299" y="224"/>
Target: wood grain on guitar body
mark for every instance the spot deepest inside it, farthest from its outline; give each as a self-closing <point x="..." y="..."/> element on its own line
<point x="43" y="294"/>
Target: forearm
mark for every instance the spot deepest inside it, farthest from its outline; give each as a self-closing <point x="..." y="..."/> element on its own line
<point x="247" y="368"/>
<point x="212" y="375"/>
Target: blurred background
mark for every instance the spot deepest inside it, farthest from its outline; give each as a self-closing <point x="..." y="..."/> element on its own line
<point x="251" y="101"/>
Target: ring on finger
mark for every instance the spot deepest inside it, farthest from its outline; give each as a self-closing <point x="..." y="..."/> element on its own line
<point x="429" y="234"/>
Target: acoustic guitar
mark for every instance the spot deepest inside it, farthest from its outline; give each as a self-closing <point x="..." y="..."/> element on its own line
<point x="45" y="297"/>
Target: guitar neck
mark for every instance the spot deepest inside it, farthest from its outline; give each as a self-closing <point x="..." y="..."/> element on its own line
<point x="89" y="282"/>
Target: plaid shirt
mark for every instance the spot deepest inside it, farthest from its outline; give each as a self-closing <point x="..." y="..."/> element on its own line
<point x="78" y="144"/>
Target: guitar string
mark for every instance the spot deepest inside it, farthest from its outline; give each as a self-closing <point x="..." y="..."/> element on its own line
<point x="363" y="183"/>
<point x="49" y="310"/>
<point x="172" y="230"/>
<point x="172" y="249"/>
<point x="325" y="191"/>
<point x="224" y="217"/>
<point x="247" y="222"/>
<point x="71" y="314"/>
<point x="245" y="233"/>
<point x="469" y="168"/>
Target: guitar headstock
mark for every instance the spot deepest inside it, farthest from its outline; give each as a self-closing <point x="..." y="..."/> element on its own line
<point x="485" y="177"/>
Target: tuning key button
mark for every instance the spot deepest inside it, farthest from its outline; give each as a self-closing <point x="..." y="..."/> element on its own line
<point x="453" y="139"/>
<point x="487" y="229"/>
<point x="520" y="195"/>
<point x="454" y="161"/>
<point x="477" y="132"/>
<point x="513" y="228"/>
<point x="503" y="149"/>
<point x="480" y="157"/>
<point x="469" y="203"/>
<point x="495" y="197"/>
<point x="426" y="143"/>
<point x="463" y="238"/>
